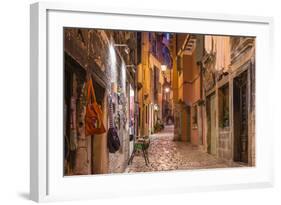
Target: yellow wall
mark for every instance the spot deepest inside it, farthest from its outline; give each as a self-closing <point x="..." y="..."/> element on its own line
<point x="189" y="93"/>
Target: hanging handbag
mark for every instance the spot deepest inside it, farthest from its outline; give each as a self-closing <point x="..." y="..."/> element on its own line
<point x="113" y="142"/>
<point x="93" y="117"/>
<point x="131" y="130"/>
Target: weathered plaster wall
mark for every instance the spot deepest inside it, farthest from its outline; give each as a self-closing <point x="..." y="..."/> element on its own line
<point x="224" y="144"/>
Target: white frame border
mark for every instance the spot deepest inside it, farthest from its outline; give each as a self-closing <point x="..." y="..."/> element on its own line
<point x="38" y="83"/>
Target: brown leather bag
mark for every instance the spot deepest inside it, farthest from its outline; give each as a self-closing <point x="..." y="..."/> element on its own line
<point x="93" y="117"/>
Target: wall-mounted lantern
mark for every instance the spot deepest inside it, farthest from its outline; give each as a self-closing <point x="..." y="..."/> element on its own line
<point x="167" y="89"/>
<point x="126" y="47"/>
<point x="163" y="68"/>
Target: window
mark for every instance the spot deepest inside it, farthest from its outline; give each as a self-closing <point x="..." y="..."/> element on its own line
<point x="194" y="117"/>
<point x="139" y="44"/>
<point x="156" y="82"/>
<point x="224" y="106"/>
<point x="146" y="114"/>
<point x="179" y="64"/>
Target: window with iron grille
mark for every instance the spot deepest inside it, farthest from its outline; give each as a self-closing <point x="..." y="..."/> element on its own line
<point x="179" y="64"/>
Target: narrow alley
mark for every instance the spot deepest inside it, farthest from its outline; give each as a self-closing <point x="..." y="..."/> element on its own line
<point x="145" y="101"/>
<point x="166" y="154"/>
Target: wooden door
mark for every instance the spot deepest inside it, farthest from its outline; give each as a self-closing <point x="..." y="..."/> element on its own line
<point x="188" y="124"/>
<point x="240" y="104"/>
<point x="213" y="150"/>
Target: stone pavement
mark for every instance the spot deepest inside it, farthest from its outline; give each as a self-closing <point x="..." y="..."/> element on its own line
<point x="165" y="154"/>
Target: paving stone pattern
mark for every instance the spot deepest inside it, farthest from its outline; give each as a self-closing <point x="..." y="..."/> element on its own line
<point x="166" y="154"/>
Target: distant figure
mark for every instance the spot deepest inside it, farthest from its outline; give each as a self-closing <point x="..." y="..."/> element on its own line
<point x="169" y="120"/>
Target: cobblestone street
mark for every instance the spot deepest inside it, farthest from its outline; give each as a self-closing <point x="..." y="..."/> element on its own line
<point x="165" y="154"/>
<point x="121" y="86"/>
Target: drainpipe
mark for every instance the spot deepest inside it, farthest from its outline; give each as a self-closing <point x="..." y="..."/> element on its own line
<point x="200" y="65"/>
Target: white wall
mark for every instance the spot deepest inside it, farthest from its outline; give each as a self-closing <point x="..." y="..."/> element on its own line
<point x="14" y="103"/>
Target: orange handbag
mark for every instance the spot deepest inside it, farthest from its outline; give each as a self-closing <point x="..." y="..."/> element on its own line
<point x="93" y="117"/>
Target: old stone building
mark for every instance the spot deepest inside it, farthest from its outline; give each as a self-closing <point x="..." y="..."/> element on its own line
<point x="109" y="58"/>
<point x="214" y="102"/>
<point x="242" y="81"/>
<point x="229" y="89"/>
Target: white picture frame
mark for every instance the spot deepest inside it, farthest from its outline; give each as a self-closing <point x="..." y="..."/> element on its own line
<point x="47" y="182"/>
